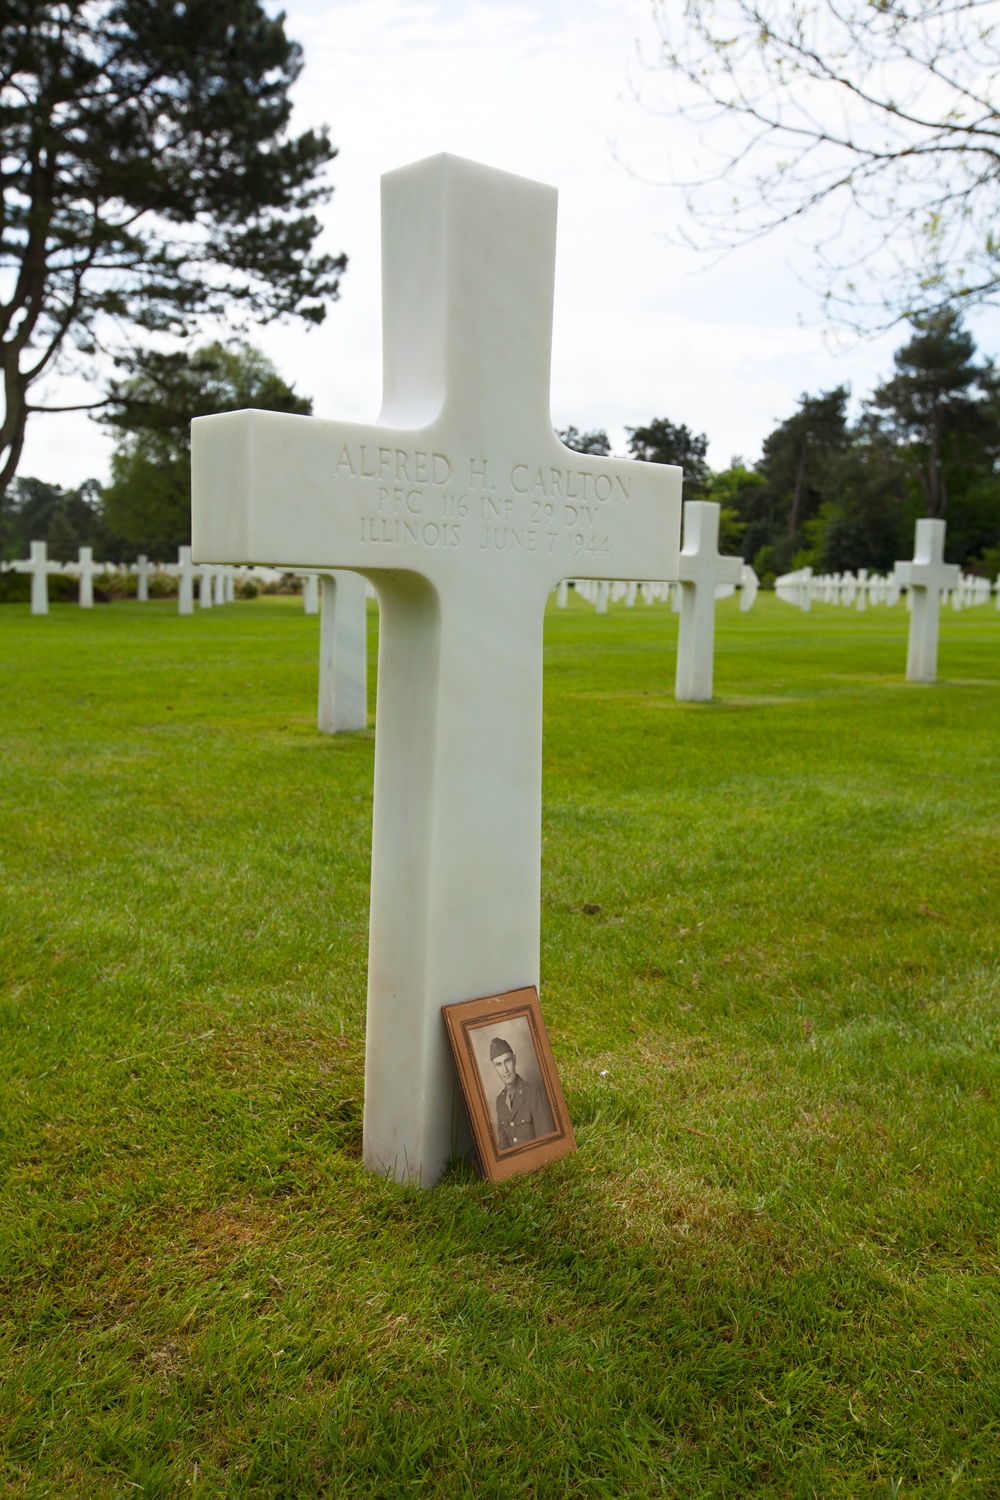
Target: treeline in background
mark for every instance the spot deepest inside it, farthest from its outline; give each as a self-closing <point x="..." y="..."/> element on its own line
<point x="841" y="494"/>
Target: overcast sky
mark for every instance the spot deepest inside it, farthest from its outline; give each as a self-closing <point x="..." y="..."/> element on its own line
<point x="546" y="88"/>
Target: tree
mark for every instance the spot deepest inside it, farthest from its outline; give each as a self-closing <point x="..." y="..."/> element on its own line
<point x="865" y="515"/>
<point x="147" y="180"/>
<point x="64" y="519"/>
<point x="734" y="491"/>
<point x="586" y="442"/>
<point x="799" y="467"/>
<point x="927" y="443"/>
<point x="660" y="442"/>
<point x="149" y="498"/>
<point x="877" y="115"/>
<point x="940" y="409"/>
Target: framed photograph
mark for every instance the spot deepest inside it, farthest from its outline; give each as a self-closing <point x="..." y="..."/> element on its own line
<point x="504" y="1061"/>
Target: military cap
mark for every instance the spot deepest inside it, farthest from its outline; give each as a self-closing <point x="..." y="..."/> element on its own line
<point x="498" y="1047"/>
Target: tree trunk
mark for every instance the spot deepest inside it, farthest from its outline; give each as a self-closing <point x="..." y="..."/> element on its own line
<point x="933" y="461"/>
<point x="797" y="491"/>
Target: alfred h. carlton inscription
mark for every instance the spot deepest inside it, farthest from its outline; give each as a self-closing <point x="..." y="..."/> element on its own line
<point x="410" y="497"/>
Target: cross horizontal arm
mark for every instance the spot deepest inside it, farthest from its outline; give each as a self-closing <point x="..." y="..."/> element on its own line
<point x="297" y="492"/>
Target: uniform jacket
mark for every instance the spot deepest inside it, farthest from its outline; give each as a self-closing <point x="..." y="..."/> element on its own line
<point x="527" y="1117"/>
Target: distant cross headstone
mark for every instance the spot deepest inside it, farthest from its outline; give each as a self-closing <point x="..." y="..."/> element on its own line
<point x="926" y="577"/>
<point x="85" y="572"/>
<point x="562" y="593"/>
<point x="465" y="510"/>
<point x="204" y="587"/>
<point x="343" y="653"/>
<point x="142" y="578"/>
<point x="39" y="567"/>
<point x="749" y="587"/>
<point x="185" y="582"/>
<point x="630" y="593"/>
<point x="700" y="568"/>
<point x="603" y="590"/>
<point x="218" y="586"/>
<point x="310" y="593"/>
<point x="796" y="588"/>
<point x="806" y="590"/>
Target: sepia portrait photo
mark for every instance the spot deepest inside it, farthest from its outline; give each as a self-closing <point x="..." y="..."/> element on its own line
<point x="508" y="1077"/>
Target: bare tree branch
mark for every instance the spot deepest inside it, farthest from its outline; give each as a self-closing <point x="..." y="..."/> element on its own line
<point x="877" y="122"/>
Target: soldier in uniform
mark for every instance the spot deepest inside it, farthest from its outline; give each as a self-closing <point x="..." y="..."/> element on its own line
<point x="523" y="1112"/>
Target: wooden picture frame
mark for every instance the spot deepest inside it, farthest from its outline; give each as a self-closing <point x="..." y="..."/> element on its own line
<point x="516" y="1109"/>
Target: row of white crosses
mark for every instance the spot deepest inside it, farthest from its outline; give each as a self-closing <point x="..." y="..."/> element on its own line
<point x="971" y="591"/>
<point x="600" y="592"/>
<point x="464" y="510"/>
<point x="343" y="677"/>
<point x="859" y="590"/>
<point x="216" y="585"/>
<point x="40" y="568"/>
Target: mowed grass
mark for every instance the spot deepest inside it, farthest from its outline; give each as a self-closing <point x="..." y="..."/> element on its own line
<point x="772" y="1267"/>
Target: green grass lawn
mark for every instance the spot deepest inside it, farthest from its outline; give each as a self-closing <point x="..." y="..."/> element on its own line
<point x="772" y="1267"/>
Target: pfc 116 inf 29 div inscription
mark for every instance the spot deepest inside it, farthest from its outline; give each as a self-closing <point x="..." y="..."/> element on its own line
<point x="415" y="498"/>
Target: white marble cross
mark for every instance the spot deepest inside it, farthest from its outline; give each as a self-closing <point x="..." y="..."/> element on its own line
<point x="185" y="584"/>
<point x="310" y="593"/>
<point x="465" y="510"/>
<point x="343" y="653"/>
<point x="39" y="567"/>
<point x="805" y="589"/>
<point x="862" y="593"/>
<point x="85" y="570"/>
<point x="142" y="579"/>
<point x="749" y="587"/>
<point x="926" y="577"/>
<point x="700" y="568"/>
